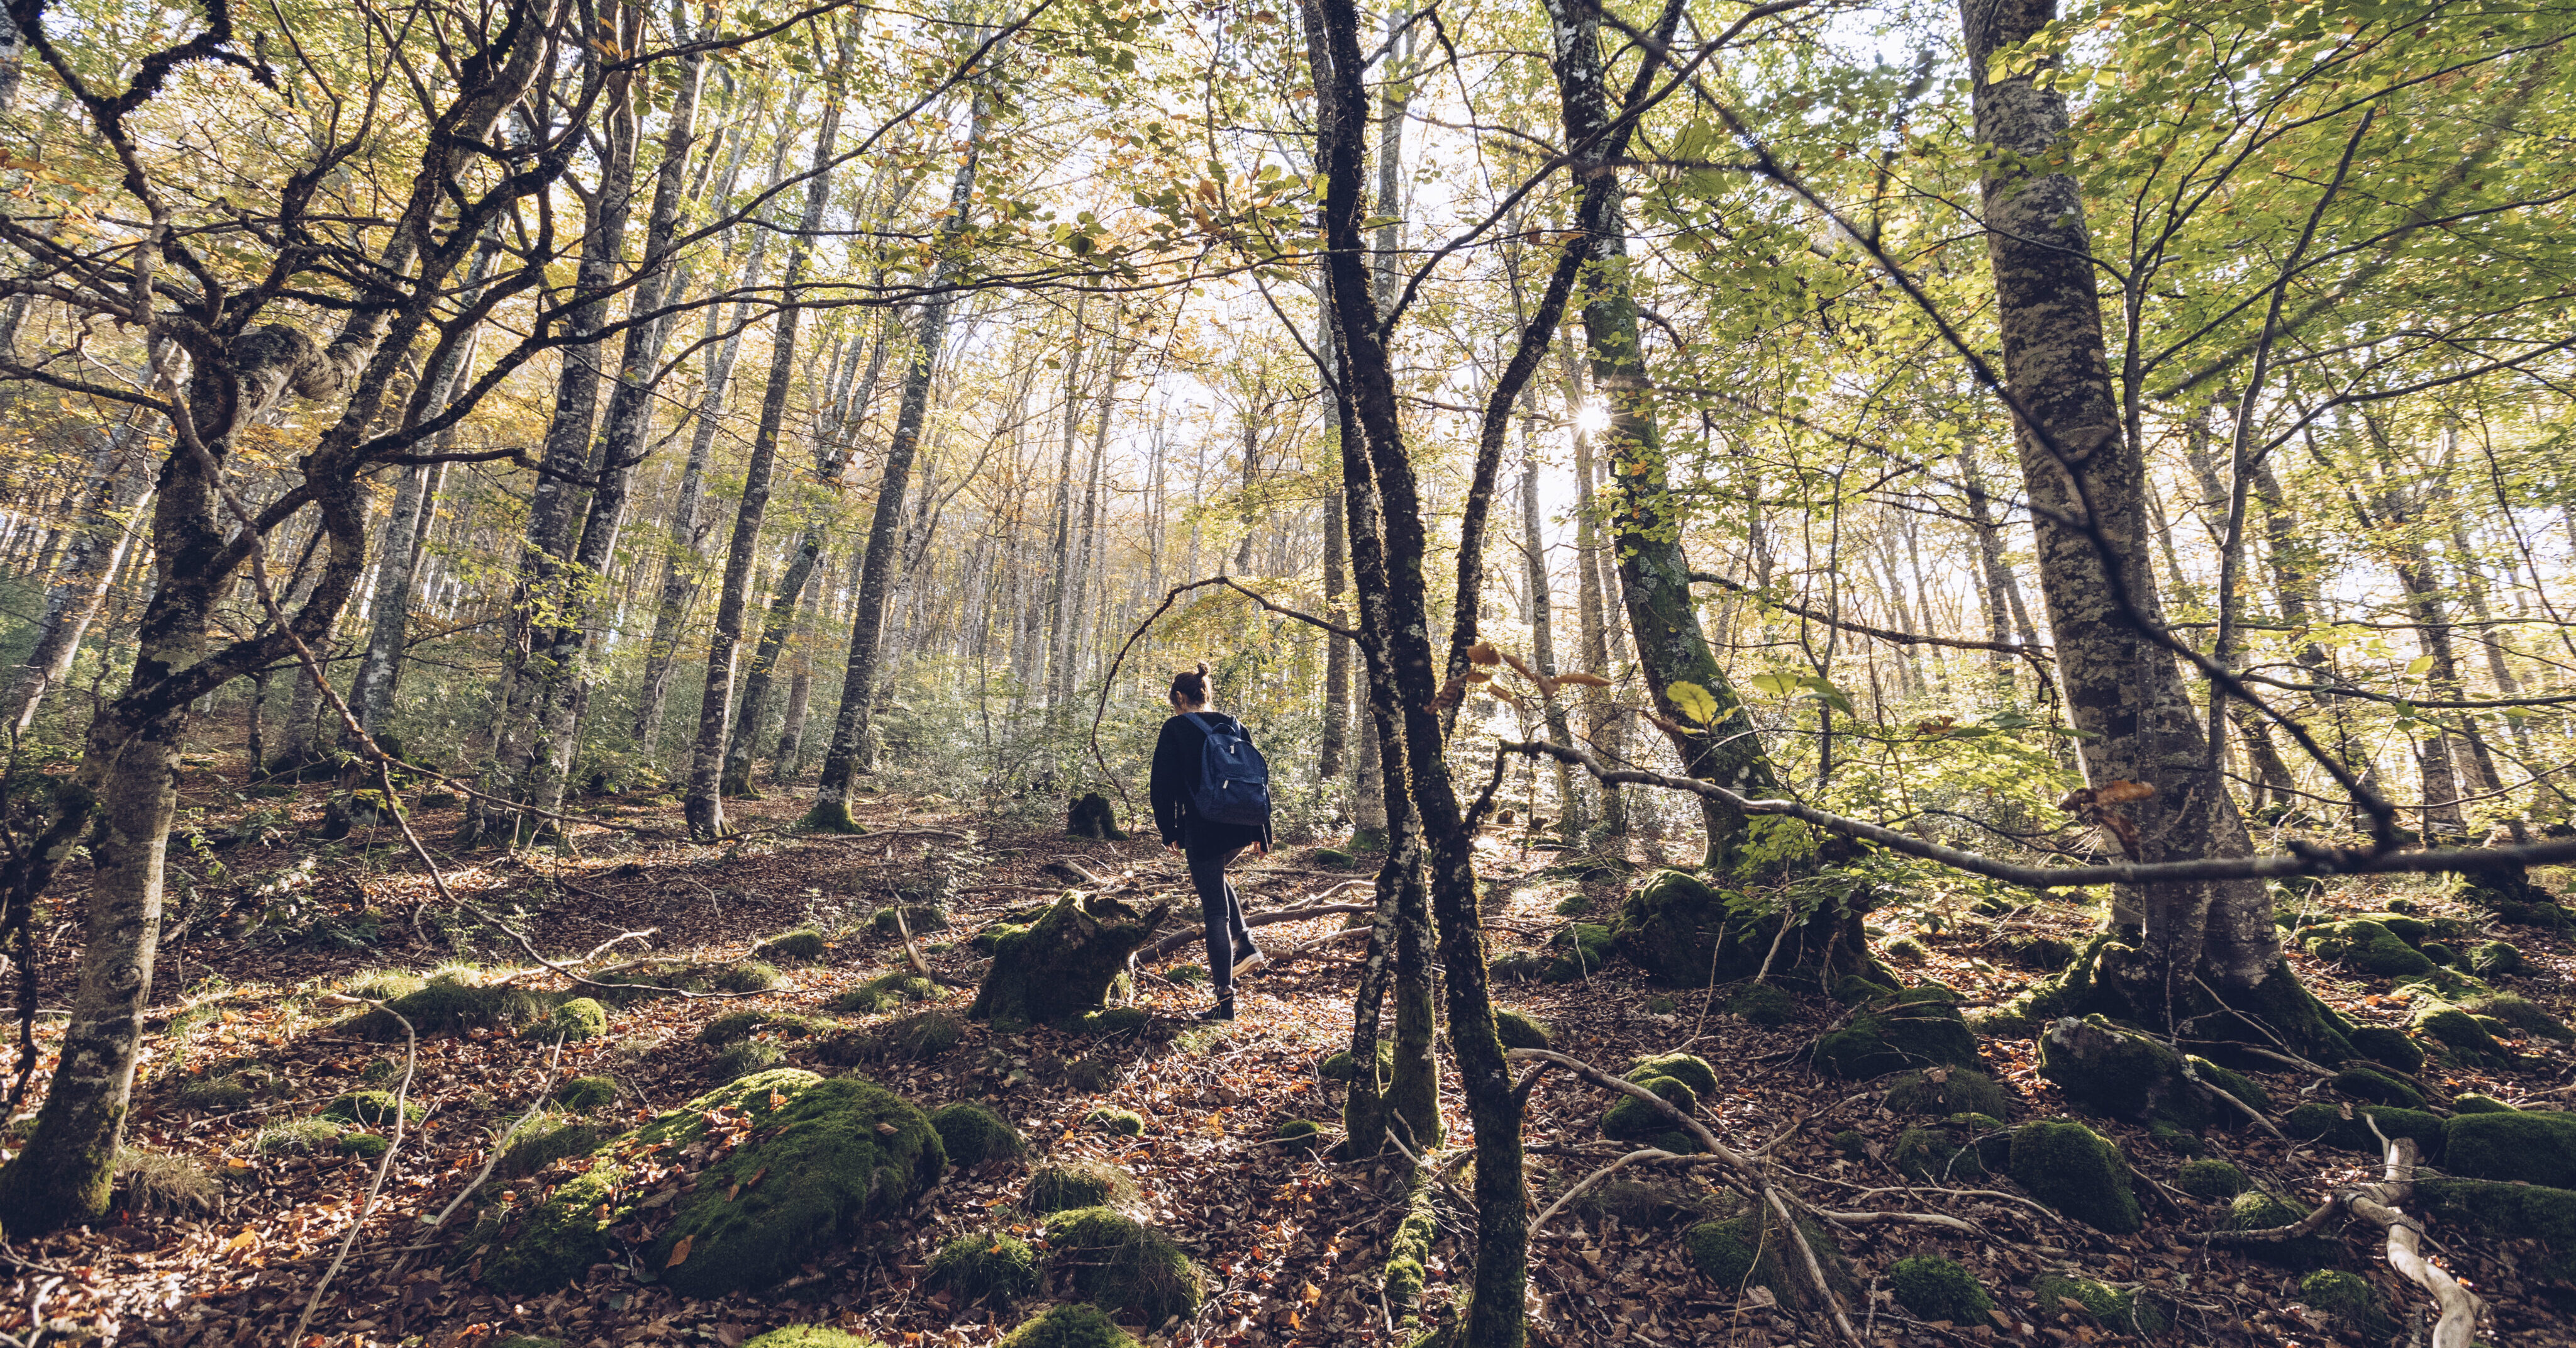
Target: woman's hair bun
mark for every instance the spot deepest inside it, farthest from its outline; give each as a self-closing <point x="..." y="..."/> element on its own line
<point x="1203" y="669"/>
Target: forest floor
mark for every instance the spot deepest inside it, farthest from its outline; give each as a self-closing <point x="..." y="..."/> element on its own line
<point x="1293" y="1246"/>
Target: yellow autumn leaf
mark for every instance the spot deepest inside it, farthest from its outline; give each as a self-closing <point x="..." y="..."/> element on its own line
<point x="680" y="1252"/>
<point x="1692" y="701"/>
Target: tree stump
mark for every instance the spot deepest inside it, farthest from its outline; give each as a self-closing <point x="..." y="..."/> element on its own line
<point x="1064" y="965"/>
<point x="1090" y="816"/>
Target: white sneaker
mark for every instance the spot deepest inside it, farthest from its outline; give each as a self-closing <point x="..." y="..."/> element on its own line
<point x="1251" y="961"/>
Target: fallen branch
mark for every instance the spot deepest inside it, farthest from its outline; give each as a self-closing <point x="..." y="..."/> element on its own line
<point x="1646" y="1155"/>
<point x="2379" y="1203"/>
<point x="593" y="953"/>
<point x="913" y="954"/>
<point x="1304" y="948"/>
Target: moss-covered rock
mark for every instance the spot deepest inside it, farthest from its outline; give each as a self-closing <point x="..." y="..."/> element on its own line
<point x="2389" y="1047"/>
<point x="546" y="1139"/>
<point x="1519" y="1030"/>
<point x="2211" y="1179"/>
<point x="972" y="1134"/>
<point x="1630" y="1119"/>
<point x="1930" y="1287"/>
<point x="1122" y="1265"/>
<point x="2119" y="1073"/>
<point x="1122" y="1122"/>
<point x="1917" y="1027"/>
<point x="2475" y="1103"/>
<point x="804" y="945"/>
<point x="1302" y="1136"/>
<point x="2509" y="1212"/>
<point x="919" y="1037"/>
<point x="364" y="1146"/>
<point x="2519" y="1013"/>
<point x="2321" y="1122"/>
<point x="586" y="1092"/>
<point x="1763" y="1004"/>
<point x="1342" y="1067"/>
<point x="1948" y="1090"/>
<point x="1058" y="1188"/>
<point x="990" y="1267"/>
<point x="1072" y="1325"/>
<point x="1963" y="1146"/>
<point x="298" y="1137"/>
<point x="2512" y="1145"/>
<point x="1090" y="815"/>
<point x="745" y="1058"/>
<point x="885" y="992"/>
<point x="2348" y="1298"/>
<point x="2462" y="1039"/>
<point x="2255" y="1210"/>
<point x="2077" y="1171"/>
<point x="1685" y="932"/>
<point x="1578" y="951"/>
<point x="2365" y="946"/>
<point x="576" y="1019"/>
<point x="893" y="920"/>
<point x="2513" y="898"/>
<point x="2496" y="959"/>
<point x="2123" y="1312"/>
<point x="2042" y="952"/>
<point x="1753" y="1249"/>
<point x="2379" y="1088"/>
<point x="1685" y="1068"/>
<point x="451" y="1002"/>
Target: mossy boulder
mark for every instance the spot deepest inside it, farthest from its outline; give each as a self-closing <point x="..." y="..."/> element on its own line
<point x="1753" y="1249"/>
<point x="1057" y="1188"/>
<point x="2496" y="959"/>
<point x="2379" y="1088"/>
<point x="1122" y="1265"/>
<point x="820" y="1157"/>
<point x="451" y="1003"/>
<point x="1519" y="1030"/>
<point x="2509" y="1212"/>
<point x="1122" y="1122"/>
<point x="1688" y="1069"/>
<point x="1685" y="932"/>
<point x="1762" y="1004"/>
<point x="916" y="918"/>
<point x="1630" y="1119"/>
<point x="1072" y="1325"/>
<point x="576" y="1019"/>
<point x="1948" y="1090"/>
<point x="2255" y="1210"/>
<point x="2325" y="1123"/>
<point x="2077" y="1171"/>
<point x="2475" y="1103"/>
<point x="2514" y="1144"/>
<point x="747" y="1058"/>
<point x="1343" y="1067"/>
<point x="1302" y="1136"/>
<point x="2042" y="952"/>
<point x="804" y="945"/>
<point x="2461" y="1038"/>
<point x="1930" y="1287"/>
<point x="918" y="1037"/>
<point x="972" y="1134"/>
<point x="2513" y="898"/>
<point x="988" y="1267"/>
<point x="586" y="1092"/>
<point x="2520" y="1013"/>
<point x="2061" y="1296"/>
<point x="2389" y="1047"/>
<point x="1064" y="964"/>
<point x="1332" y="858"/>
<point x="546" y="1139"/>
<point x="1963" y="1146"/>
<point x="1917" y="1027"/>
<point x="2350" y="1300"/>
<point x="372" y="1108"/>
<point x="1579" y="951"/>
<point x="2211" y="1179"/>
<point x="2121" y="1074"/>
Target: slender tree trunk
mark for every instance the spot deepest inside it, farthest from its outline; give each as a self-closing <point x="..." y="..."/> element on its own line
<point x="1337" y="648"/>
<point x="1542" y="621"/>
<point x="783" y="603"/>
<point x="116" y="501"/>
<point x="2086" y="484"/>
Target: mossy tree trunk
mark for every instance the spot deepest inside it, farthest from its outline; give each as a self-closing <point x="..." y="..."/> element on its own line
<point x="1065" y="963"/>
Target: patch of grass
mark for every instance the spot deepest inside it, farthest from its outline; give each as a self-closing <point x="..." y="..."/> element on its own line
<point x="1056" y="1188"/>
<point x="748" y="976"/>
<point x="1072" y="1325"/>
<point x="1123" y="1122"/>
<point x="744" y="1058"/>
<point x="297" y="1137"/>
<point x="215" y="1094"/>
<point x="546" y="1139"/>
<point x="988" y="1267"/>
<point x="158" y="1183"/>
<point x="577" y="1019"/>
<point x="586" y="1092"/>
<point x="1122" y="1265"/>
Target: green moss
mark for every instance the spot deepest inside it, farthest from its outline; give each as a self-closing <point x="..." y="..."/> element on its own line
<point x="215" y="1094"/>
<point x="2367" y="946"/>
<point x="578" y="1018"/>
<point x="1904" y="950"/>
<point x="2474" y="1103"/>
<point x="1852" y="990"/>
<point x="1960" y="1091"/>
<point x="2462" y="1038"/>
<point x="297" y="1137"/>
<point x="2389" y="1047"/>
<point x="2513" y="898"/>
<point x="1582" y="949"/>
<point x="810" y="1336"/>
<point x="1123" y="1122"/>
<point x="546" y="1139"/>
<point x="991" y="1267"/>
<point x="2238" y="1084"/>
<point x="832" y="1155"/>
<point x="1056" y="1188"/>
<point x="1303" y="1136"/>
<point x="1341" y="1066"/>
<point x="2116" y="1310"/>
<point x="523" y="1340"/>
<point x="2077" y="1171"/>
<point x="2043" y="952"/>
<point x="2255" y="1210"/>
<point x="1630" y="1119"/>
<point x="917" y="919"/>
<point x="730" y="1028"/>
<point x="2509" y="1212"/>
<point x="2325" y="1123"/>
<point x="918" y="1037"/>
<point x="2521" y="1013"/>
<point x="1112" y="1020"/>
<point x="748" y="976"/>
<point x="1691" y="1071"/>
<point x="1763" y="1004"/>
<point x="804" y="945"/>
<point x="1937" y="1155"/>
<point x="586" y="1092"/>
<point x="449" y="1004"/>
<point x="2495" y="959"/>
<point x="1930" y="1287"/>
<point x="744" y="1058"/>
<point x="2513" y="1145"/>
<point x="973" y="1134"/>
<point x="1518" y="1030"/>
<point x="2117" y="1073"/>
<point x="1072" y="1325"/>
<point x="367" y="1146"/>
<point x="372" y="1108"/>
<point x="2361" y="1083"/>
<point x="2211" y="1179"/>
<point x="885" y="992"/>
<point x="1409" y="1252"/>
<point x="1918" y="1027"/>
<point x="2349" y="1299"/>
<point x="1753" y="1248"/>
<point x="1122" y="1265"/>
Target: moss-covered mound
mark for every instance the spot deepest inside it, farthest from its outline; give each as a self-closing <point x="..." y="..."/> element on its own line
<point x="992" y="1267"/>
<point x="1690" y="1070"/>
<point x="1072" y="1325"/>
<point x="2379" y="1088"/>
<point x="2078" y="1172"/>
<point x="1065" y="963"/>
<point x="1962" y="1147"/>
<point x="1122" y="1265"/>
<point x="546" y="1139"/>
<point x="1630" y="1119"/>
<point x="2496" y="959"/>
<point x="801" y="946"/>
<point x="451" y="1002"/>
<point x="1342" y="1067"/>
<point x="2509" y="1212"/>
<point x="2211" y="1179"/>
<point x="1578" y="951"/>
<point x="916" y="918"/>
<point x="589" y="1092"/>
<point x="1948" y="1090"/>
<point x="2389" y="1047"/>
<point x="1685" y="932"/>
<point x="2513" y="898"/>
<point x="1059" y="1188"/>
<point x="919" y="1037"/>
<point x="2121" y="1074"/>
<point x="1753" y="1249"/>
<point x="575" y="1019"/>
<point x="807" y="1336"/>
<point x="2321" y="1122"/>
<point x="2369" y="947"/>
<point x="1110" y="1119"/>
<point x="2521" y="1013"/>
<point x="1918" y="1027"/>
<point x="1930" y="1287"/>
<point x="2255" y="1210"/>
<point x="972" y="1134"/>
<point x="372" y="1108"/>
<point x="818" y="1158"/>
<point x="2349" y="1299"/>
<point x="2062" y="1297"/>
<point x="2513" y="1144"/>
<point x="2459" y="1036"/>
<point x="1302" y="1136"/>
<point x="1519" y="1030"/>
<point x="1763" y="1004"/>
<point x="747" y="1058"/>
<point x="885" y="992"/>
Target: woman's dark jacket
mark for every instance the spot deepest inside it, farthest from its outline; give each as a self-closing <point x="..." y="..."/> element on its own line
<point x="1176" y="772"/>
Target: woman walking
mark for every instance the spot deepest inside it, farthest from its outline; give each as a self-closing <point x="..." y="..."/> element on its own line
<point x="1211" y="797"/>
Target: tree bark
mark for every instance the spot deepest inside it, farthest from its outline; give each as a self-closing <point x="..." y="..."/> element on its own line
<point x="115" y="505"/>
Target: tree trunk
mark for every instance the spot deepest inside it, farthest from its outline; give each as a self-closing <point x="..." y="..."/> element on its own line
<point x="851" y="724"/>
<point x="783" y="603"/>
<point x="116" y="502"/>
<point x="2086" y="484"/>
<point x="1542" y="622"/>
<point x="1337" y="648"/>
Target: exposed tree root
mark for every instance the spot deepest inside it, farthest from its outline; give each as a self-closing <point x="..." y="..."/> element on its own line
<point x="2380" y="1203"/>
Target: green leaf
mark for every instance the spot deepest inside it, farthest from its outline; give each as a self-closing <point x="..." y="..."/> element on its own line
<point x="1692" y="701"/>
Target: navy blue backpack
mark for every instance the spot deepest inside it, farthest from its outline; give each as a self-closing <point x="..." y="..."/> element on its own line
<point x="1234" y="780"/>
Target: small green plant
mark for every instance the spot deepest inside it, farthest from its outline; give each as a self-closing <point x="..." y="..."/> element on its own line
<point x="298" y="1137"/>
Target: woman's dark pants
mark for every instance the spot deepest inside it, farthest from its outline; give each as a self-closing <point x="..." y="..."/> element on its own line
<point x="1228" y="940"/>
